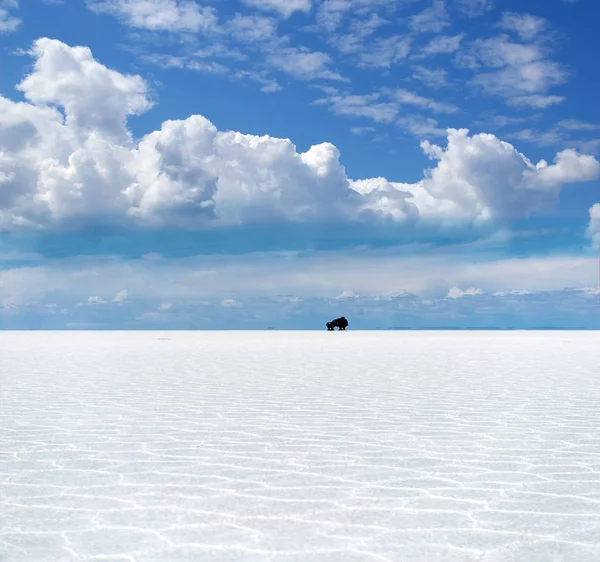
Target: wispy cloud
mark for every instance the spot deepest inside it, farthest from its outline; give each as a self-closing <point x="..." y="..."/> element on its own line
<point x="443" y="44"/>
<point x="520" y="72"/>
<point x="366" y="105"/>
<point x="427" y="272"/>
<point x="474" y="8"/>
<point x="8" y="21"/>
<point x="159" y="15"/>
<point x="526" y="26"/>
<point x="577" y="125"/>
<point x="567" y="132"/>
<point x="420" y="126"/>
<point x="434" y="78"/>
<point x="406" y="97"/>
<point x="431" y="20"/>
<point x="535" y="101"/>
<point x="304" y="64"/>
<point x="385" y="52"/>
<point x="284" y="7"/>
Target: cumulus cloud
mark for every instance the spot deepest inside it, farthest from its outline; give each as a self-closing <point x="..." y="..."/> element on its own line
<point x="458" y="293"/>
<point x="345" y="295"/>
<point x="95" y="98"/>
<point x="478" y="178"/>
<point x="67" y="158"/>
<point x="119" y="298"/>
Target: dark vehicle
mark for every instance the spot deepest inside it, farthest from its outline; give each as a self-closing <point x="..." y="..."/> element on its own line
<point x="339" y="323"/>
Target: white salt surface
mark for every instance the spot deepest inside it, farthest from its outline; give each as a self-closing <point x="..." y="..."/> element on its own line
<point x="300" y="446"/>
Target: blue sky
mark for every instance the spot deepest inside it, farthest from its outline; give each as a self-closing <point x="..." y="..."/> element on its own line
<point x="258" y="163"/>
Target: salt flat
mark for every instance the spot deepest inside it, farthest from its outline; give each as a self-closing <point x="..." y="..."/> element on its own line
<point x="300" y="446"/>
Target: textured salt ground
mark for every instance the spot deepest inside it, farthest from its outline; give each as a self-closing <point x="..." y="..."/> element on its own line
<point x="297" y="446"/>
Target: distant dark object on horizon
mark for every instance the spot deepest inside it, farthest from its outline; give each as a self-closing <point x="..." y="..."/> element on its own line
<point x="340" y="323"/>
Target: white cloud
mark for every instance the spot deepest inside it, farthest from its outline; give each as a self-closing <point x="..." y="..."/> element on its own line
<point x="159" y="15"/>
<point x="561" y="134"/>
<point x="535" y="101"/>
<point x="252" y="29"/>
<point x="285" y="7"/>
<point x="231" y="303"/>
<point x="267" y="85"/>
<point x="513" y="292"/>
<point x="376" y="107"/>
<point x="384" y="52"/>
<point x="407" y="97"/>
<point x="431" y="20"/>
<point x="474" y="8"/>
<point x="521" y="71"/>
<point x="428" y="271"/>
<point x="568" y="308"/>
<point x="527" y="26"/>
<point x="569" y="167"/>
<point x="362" y="130"/>
<point x="541" y="138"/>
<point x="479" y="178"/>
<point x="96" y="100"/>
<point x="457" y="293"/>
<point x="576" y="125"/>
<point x="422" y="127"/>
<point x="8" y="22"/>
<point x="594" y="225"/>
<point x="345" y="295"/>
<point x="67" y="158"/>
<point x="303" y="63"/>
<point x="434" y="78"/>
<point x="444" y="44"/>
<point x="121" y="296"/>
<point x="331" y="14"/>
<point x="367" y="105"/>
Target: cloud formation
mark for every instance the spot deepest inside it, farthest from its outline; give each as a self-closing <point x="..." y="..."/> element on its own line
<point x="594" y="225"/>
<point x="518" y="70"/>
<point x="285" y="7"/>
<point x="158" y="15"/>
<point x="54" y="303"/>
<point x="8" y="22"/>
<point x="67" y="157"/>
